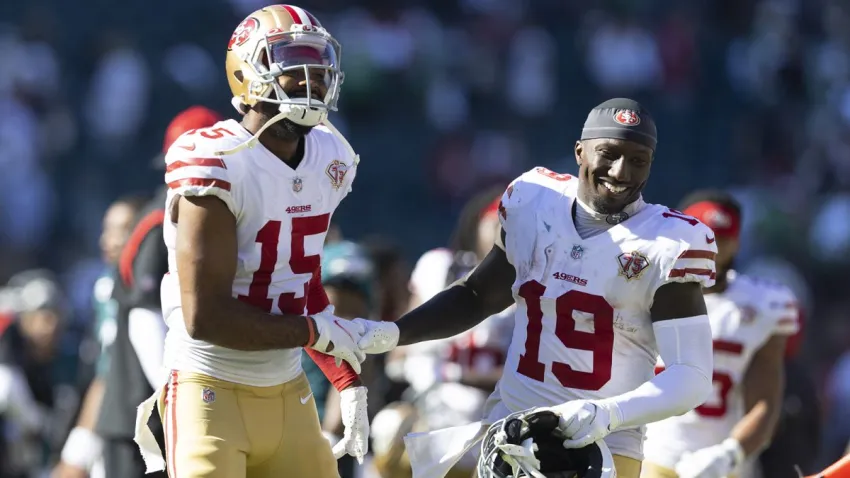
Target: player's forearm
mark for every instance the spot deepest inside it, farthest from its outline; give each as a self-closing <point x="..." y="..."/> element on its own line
<point x="448" y="313"/>
<point x="233" y="324"/>
<point x="91" y="404"/>
<point x="685" y="347"/>
<point x="83" y="447"/>
<point x="16" y="400"/>
<point x="756" y="429"/>
<point x="763" y="387"/>
<point x="675" y="391"/>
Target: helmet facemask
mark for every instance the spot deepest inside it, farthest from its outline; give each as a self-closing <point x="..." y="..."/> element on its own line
<point x="297" y="52"/>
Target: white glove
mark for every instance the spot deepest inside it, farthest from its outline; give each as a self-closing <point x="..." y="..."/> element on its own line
<point x="355" y="440"/>
<point x="331" y="438"/>
<point x="343" y="334"/>
<point x="586" y="421"/>
<point x="715" y="461"/>
<point x="379" y="337"/>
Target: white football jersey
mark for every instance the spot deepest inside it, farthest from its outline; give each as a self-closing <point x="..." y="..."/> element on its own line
<point x="743" y="318"/>
<point x="583" y="328"/>
<point x="282" y="217"/>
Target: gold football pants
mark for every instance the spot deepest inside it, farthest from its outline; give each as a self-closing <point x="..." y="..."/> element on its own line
<point x="219" y="429"/>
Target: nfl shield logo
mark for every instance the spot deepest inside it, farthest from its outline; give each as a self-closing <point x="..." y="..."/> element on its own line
<point x="208" y="396"/>
<point x="577" y="252"/>
<point x="297" y="184"/>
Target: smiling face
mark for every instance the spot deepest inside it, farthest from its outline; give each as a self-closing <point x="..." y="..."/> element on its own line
<point x="612" y="172"/>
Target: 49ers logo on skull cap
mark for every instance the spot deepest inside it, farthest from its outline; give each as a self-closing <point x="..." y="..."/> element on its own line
<point x="243" y="32"/>
<point x="627" y="118"/>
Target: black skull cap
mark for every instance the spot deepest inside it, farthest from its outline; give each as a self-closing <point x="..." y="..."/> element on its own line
<point x="621" y="118"/>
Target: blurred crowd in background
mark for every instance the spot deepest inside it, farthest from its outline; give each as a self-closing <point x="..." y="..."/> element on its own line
<point x="443" y="100"/>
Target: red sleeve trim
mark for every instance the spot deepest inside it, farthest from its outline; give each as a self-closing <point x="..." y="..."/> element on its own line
<point x="317" y="298"/>
<point x="686" y="271"/>
<point x="203" y="182"/>
<point x="131" y="248"/>
<point x="206" y="162"/>
<point x="697" y="254"/>
<point x="340" y="377"/>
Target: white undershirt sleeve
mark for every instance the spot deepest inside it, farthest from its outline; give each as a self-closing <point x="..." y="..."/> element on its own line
<point x="147" y="335"/>
<point x="685" y="346"/>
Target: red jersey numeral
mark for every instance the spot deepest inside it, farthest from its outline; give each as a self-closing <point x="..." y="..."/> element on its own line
<point x="679" y="215"/>
<point x="210" y="133"/>
<point x="269" y="238"/>
<point x="552" y="174"/>
<point x="600" y="342"/>
<point x="721" y="381"/>
<point x="215" y="133"/>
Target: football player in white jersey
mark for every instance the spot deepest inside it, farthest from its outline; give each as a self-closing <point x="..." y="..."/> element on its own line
<point x="246" y="216"/>
<point x="603" y="282"/>
<point x="750" y="322"/>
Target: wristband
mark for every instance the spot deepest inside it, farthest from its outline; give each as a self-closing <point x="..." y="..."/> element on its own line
<point x="312" y="329"/>
<point x="735" y="450"/>
<point x="82" y="448"/>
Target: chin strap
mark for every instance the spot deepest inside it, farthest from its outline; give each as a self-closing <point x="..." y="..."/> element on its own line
<point x="254" y="139"/>
<point x="279" y="117"/>
<point x="327" y="124"/>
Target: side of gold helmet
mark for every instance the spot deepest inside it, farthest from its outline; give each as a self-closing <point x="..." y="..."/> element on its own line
<point x="275" y="40"/>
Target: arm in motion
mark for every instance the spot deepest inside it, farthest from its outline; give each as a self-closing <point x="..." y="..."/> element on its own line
<point x="485" y="291"/>
<point x="763" y="385"/>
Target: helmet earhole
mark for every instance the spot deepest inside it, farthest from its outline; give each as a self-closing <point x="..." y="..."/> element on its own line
<point x="239" y="76"/>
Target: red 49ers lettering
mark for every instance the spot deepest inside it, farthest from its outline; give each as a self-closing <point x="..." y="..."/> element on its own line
<point x="600" y="341"/>
<point x="269" y="237"/>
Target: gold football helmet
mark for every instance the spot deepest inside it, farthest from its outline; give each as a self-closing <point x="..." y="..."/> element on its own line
<point x="271" y="42"/>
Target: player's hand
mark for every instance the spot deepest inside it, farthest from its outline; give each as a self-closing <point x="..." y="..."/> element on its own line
<point x="715" y="461"/>
<point x="355" y="440"/>
<point x="338" y="337"/>
<point x="379" y="337"/>
<point x="586" y="421"/>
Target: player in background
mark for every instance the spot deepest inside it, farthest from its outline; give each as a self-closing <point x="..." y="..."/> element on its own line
<point x="751" y="320"/>
<point x="603" y="282"/>
<point x="248" y="207"/>
<point x="449" y="379"/>
<point x="83" y="447"/>
<point x="135" y="356"/>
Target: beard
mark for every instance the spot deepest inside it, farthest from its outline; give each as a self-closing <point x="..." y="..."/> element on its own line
<point x="284" y="129"/>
